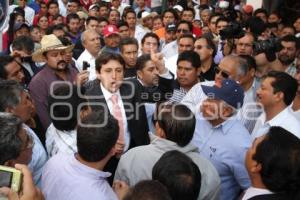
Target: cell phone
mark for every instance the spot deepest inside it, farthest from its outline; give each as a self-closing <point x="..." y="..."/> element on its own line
<point x="10" y="177"/>
<point x="85" y="65"/>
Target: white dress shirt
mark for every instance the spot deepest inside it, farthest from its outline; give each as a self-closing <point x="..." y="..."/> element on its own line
<point x="296" y="113"/>
<point x="60" y="141"/>
<point x="29" y="13"/>
<point x="62" y="8"/>
<point x="171" y="64"/>
<point x="284" y="119"/>
<point x="86" y="56"/>
<point x="252" y="192"/>
<point x="170" y="49"/>
<point x="107" y="95"/>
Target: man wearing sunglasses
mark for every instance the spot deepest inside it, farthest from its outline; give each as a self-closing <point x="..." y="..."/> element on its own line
<point x="240" y="69"/>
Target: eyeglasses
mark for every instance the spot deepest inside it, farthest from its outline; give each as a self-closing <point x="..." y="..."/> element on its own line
<point x="182" y="31"/>
<point x="223" y="73"/>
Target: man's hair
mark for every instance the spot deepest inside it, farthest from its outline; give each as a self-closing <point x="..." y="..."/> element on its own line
<point x="185" y="22"/>
<point x="56" y="27"/>
<point x="72" y="16"/>
<point x="190" y="56"/>
<point x="222" y="19"/>
<point x="284" y="83"/>
<point x="256" y="26"/>
<point x="148" y="190"/>
<point x="122" y="23"/>
<point x="171" y="10"/>
<point x="103" y="19"/>
<point x="177" y="121"/>
<point x="10" y="142"/>
<point x="247" y="63"/>
<point x="23" y="43"/>
<point x="260" y="10"/>
<point x="90" y="18"/>
<point x="179" y="174"/>
<point x="74" y="1"/>
<point x="52" y="2"/>
<point x="128" y="41"/>
<point x="189" y="9"/>
<point x="65" y="40"/>
<point x="214" y="15"/>
<point x="5" y="60"/>
<point x="150" y="34"/>
<point x="10" y="94"/>
<point x="105" y="57"/>
<point x="290" y="27"/>
<point x="127" y="12"/>
<point x="279" y="156"/>
<point x="210" y="44"/>
<point x="96" y="135"/>
<point x="112" y="10"/>
<point x="64" y="106"/>
<point x="142" y="60"/>
<point x="289" y="38"/>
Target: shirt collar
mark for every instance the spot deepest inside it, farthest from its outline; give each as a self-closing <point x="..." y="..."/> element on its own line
<point x="226" y="125"/>
<point x="107" y="94"/>
<point x="278" y="118"/>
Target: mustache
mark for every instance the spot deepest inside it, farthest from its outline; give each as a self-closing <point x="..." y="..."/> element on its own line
<point x="61" y="62"/>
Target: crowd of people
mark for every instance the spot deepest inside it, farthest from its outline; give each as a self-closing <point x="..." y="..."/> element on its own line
<point x="150" y="99"/>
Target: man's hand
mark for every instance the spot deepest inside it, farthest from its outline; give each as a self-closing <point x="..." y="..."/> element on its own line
<point x="119" y="148"/>
<point x="82" y="77"/>
<point x="29" y="192"/>
<point x="158" y="59"/>
<point x="121" y="188"/>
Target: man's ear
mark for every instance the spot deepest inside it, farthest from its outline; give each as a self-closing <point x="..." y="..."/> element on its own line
<point x="139" y="74"/>
<point x="9" y="109"/>
<point x="159" y="131"/>
<point x="279" y="96"/>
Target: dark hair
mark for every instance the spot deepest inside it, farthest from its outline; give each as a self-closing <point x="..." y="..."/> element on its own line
<point x="72" y="16"/>
<point x="256" y="25"/>
<point x="150" y="34"/>
<point x="10" y="94"/>
<point x="185" y="22"/>
<point x="250" y="62"/>
<point x="101" y="19"/>
<point x="105" y="57"/>
<point x="55" y="17"/>
<point x="22" y="43"/>
<point x="222" y="19"/>
<point x="90" y="18"/>
<point x="10" y="142"/>
<point x="210" y="44"/>
<point x="189" y="9"/>
<point x="177" y="121"/>
<point x="111" y="10"/>
<point x="126" y="13"/>
<point x="142" y="60"/>
<point x="52" y="2"/>
<point x="187" y="35"/>
<point x="279" y="156"/>
<point x="122" y="23"/>
<point x="74" y="1"/>
<point x="5" y="60"/>
<point x="179" y="174"/>
<point x="284" y="83"/>
<point x="65" y="40"/>
<point x="290" y="27"/>
<point x="96" y="136"/>
<point x="56" y="27"/>
<point x="157" y="17"/>
<point x="63" y="105"/>
<point x="128" y="41"/>
<point x="214" y="15"/>
<point x="260" y="10"/>
<point x="11" y="23"/>
<point x="190" y="56"/>
<point x="171" y="10"/>
<point x="289" y="38"/>
<point x="148" y="190"/>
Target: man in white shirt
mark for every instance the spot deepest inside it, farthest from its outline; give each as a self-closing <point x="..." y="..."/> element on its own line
<point x="91" y="42"/>
<point x="272" y="164"/>
<point x="80" y="176"/>
<point x="277" y="91"/>
<point x="29" y="12"/>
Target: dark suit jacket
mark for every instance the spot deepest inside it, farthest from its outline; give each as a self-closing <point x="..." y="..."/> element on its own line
<point x="278" y="196"/>
<point x="136" y="116"/>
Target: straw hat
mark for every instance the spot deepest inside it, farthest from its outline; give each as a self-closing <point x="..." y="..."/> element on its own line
<point x="48" y="43"/>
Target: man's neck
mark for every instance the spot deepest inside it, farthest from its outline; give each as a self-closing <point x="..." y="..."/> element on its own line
<point x="95" y="165"/>
<point x="247" y="85"/>
<point x="272" y="111"/>
<point x="205" y="65"/>
<point x="216" y="122"/>
<point x="187" y="88"/>
<point x="257" y="182"/>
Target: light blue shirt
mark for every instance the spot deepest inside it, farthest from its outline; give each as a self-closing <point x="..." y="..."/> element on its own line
<point x="225" y="146"/>
<point x="39" y="157"/>
<point x="65" y="178"/>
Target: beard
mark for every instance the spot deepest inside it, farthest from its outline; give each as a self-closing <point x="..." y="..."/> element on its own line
<point x="285" y="60"/>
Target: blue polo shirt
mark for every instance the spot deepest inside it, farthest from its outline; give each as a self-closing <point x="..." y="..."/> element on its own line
<point x="225" y="146"/>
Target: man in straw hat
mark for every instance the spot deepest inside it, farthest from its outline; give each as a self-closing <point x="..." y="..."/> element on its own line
<point x="56" y="69"/>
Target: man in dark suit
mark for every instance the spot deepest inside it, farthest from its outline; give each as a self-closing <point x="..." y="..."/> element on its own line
<point x="124" y="99"/>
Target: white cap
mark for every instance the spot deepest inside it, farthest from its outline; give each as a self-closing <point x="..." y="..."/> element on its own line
<point x="178" y="7"/>
<point x="145" y="14"/>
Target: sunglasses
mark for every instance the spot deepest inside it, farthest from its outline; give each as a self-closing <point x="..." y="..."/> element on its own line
<point x="223" y="73"/>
